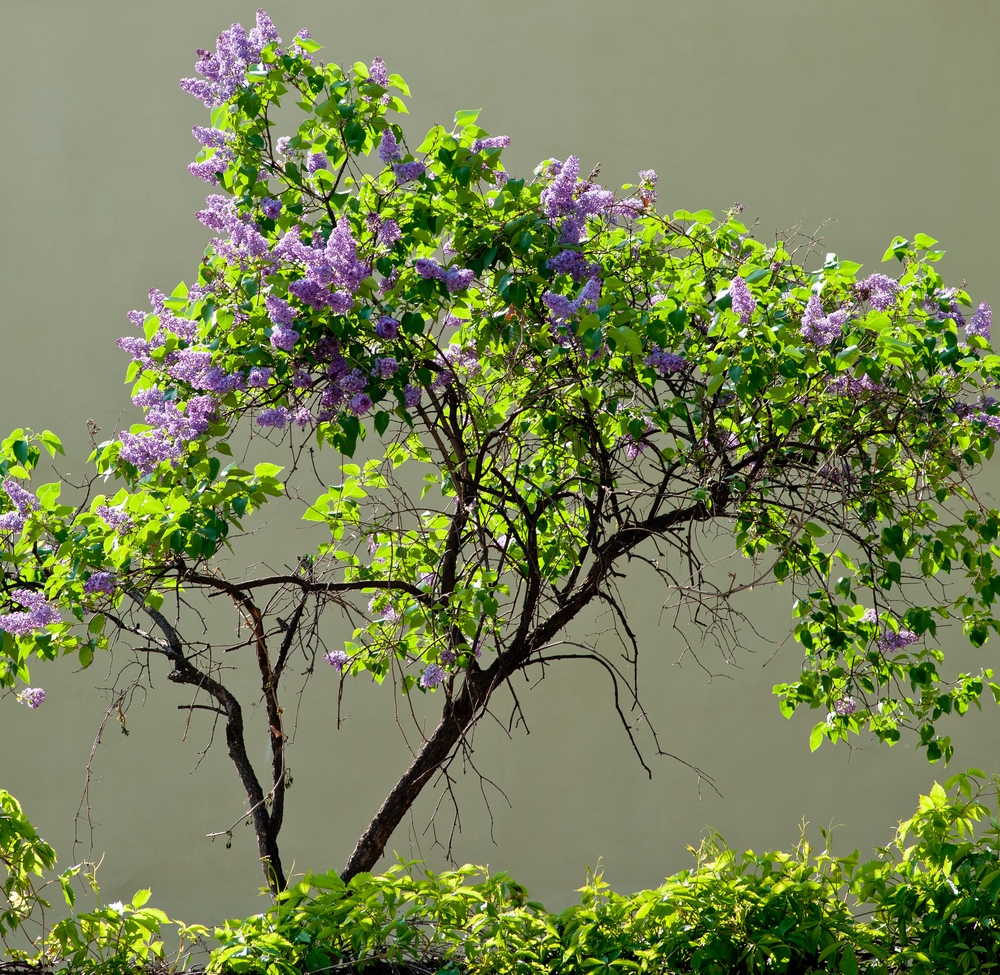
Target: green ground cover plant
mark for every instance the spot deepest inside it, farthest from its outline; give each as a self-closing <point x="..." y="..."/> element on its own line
<point x="927" y="903"/>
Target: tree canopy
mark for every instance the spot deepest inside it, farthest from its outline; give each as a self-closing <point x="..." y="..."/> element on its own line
<point x="509" y="390"/>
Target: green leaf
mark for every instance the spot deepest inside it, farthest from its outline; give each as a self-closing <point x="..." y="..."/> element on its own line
<point x="466" y="117"/>
<point x="923" y="242"/>
<point x="381" y="421"/>
<point x="267" y="470"/>
<point x="816" y="737"/>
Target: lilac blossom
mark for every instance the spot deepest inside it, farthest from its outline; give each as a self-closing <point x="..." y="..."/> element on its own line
<point x="432" y="676"/>
<point x="869" y="616"/>
<point x="360" y="404"/>
<point x="37" y="615"/>
<point x="573" y="263"/>
<point x="447" y="656"/>
<point x="633" y="447"/>
<point x="557" y="197"/>
<point x="463" y="358"/>
<point x="879" y="291"/>
<point x="389" y="233"/>
<point x="32" y="696"/>
<point x="277" y="418"/>
<point x="845" y="706"/>
<point x="212" y="138"/>
<point x="980" y="322"/>
<point x="115" y="518"/>
<point x="332" y="399"/>
<point x="23" y="500"/>
<point x="494" y="142"/>
<point x="259" y="377"/>
<point x="137" y="318"/>
<point x="100" y="583"/>
<point x="388" y="148"/>
<point x="385" y="367"/>
<point x="316" y="161"/>
<point x="387" y="328"/>
<point x="893" y="641"/>
<point x="561" y="307"/>
<point x="664" y="362"/>
<point x="284" y="338"/>
<point x="405" y="172"/>
<point x="270" y="207"/>
<point x="209" y="170"/>
<point x="849" y="386"/>
<point x="337" y="659"/>
<point x="354" y="382"/>
<point x="819" y="329"/>
<point x="279" y="311"/>
<point x="411" y="396"/>
<point x="378" y="73"/>
<point x="743" y="302"/>
<point x="183" y="328"/>
<point x="948" y="297"/>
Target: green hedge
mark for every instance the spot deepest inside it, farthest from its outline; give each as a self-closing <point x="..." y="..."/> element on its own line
<point x="927" y="903"/>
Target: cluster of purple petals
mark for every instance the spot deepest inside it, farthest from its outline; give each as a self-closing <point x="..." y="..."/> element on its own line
<point x="568" y="201"/>
<point x="388" y="148"/>
<point x="24" y="503"/>
<point x="992" y="422"/>
<point x="869" y="616"/>
<point x="245" y="241"/>
<point x="405" y="172"/>
<point x="259" y="377"/>
<point x="194" y="367"/>
<point x="664" y="362"/>
<point x="494" y="142"/>
<point x="893" y="641"/>
<point x="360" y="404"/>
<point x="32" y="696"/>
<point x="980" y="322"/>
<point x="432" y="676"/>
<point x="224" y="70"/>
<point x="561" y="308"/>
<point x="37" y="616"/>
<point x="454" y="278"/>
<point x="100" y="583"/>
<point x="573" y="263"/>
<point x="316" y="161"/>
<point x="879" y="291"/>
<point x="387" y="328"/>
<point x="385" y="367"/>
<point x="184" y="328"/>
<point x="462" y="358"/>
<point x="822" y="329"/>
<point x="845" y="707"/>
<point x="647" y="186"/>
<point x="389" y="234"/>
<point x="331" y="264"/>
<point x="946" y="297"/>
<point x="336" y="659"/>
<point x="115" y="518"/>
<point x="270" y="207"/>
<point x="378" y="73"/>
<point x="633" y="447"/>
<point x="849" y="386"/>
<point x="743" y="301"/>
<point x="174" y="429"/>
<point x="412" y="395"/>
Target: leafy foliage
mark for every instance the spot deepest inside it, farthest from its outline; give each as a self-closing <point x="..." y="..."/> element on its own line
<point x="550" y="380"/>
<point x="926" y="904"/>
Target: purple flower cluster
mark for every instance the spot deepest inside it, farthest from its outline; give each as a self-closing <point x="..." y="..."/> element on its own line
<point x="850" y="387"/>
<point x="405" y="172"/>
<point x="568" y="201"/>
<point x="385" y="367"/>
<point x="387" y="328"/>
<point x="225" y="69"/>
<point x="893" y="641"/>
<point x="115" y="518"/>
<point x="664" y="362"/>
<point x="454" y="278"/>
<point x="879" y="291"/>
<point x="388" y="148"/>
<point x="329" y="264"/>
<point x="316" y="161"/>
<point x="432" y="676"/>
<point x="820" y="329"/>
<point x="259" y="377"/>
<point x="270" y="207"/>
<point x="743" y="301"/>
<point x="494" y="142"/>
<point x="845" y="707"/>
<point x="194" y="367"/>
<point x="337" y="659"/>
<point x="980" y="322"/>
<point x="277" y="418"/>
<point x="462" y="358"/>
<point x="946" y="297"/>
<point x="100" y="583"/>
<point x="378" y="74"/>
<point x="360" y="404"/>
<point x="574" y="264"/>
<point x="245" y="241"/>
<point x="174" y="429"/>
<point x="37" y="615"/>
<point x="222" y="155"/>
<point x="32" y="696"/>
<point x="560" y="307"/>
<point x="412" y="395"/>
<point x="24" y="503"/>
